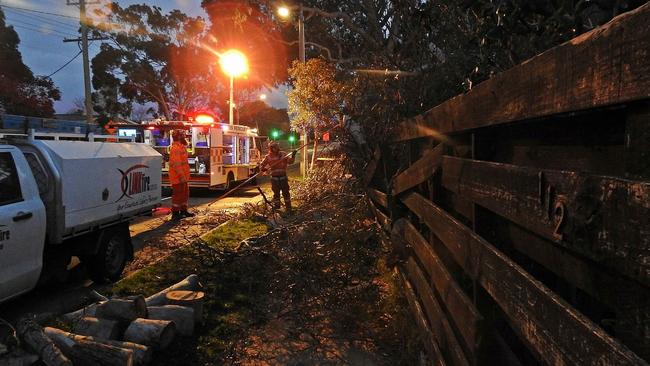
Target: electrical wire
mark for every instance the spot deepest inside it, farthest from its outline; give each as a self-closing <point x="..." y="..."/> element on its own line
<point x="43" y="29"/>
<point x="39" y="12"/>
<point x="39" y="31"/>
<point x="42" y="18"/>
<point x="64" y="65"/>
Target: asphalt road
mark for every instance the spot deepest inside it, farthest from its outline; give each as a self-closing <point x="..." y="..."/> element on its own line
<point x="75" y="292"/>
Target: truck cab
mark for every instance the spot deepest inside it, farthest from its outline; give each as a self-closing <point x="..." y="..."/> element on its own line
<point x="22" y="225"/>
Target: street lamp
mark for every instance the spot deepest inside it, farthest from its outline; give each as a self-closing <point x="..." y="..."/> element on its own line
<point x="234" y="64"/>
<point x="285" y="12"/>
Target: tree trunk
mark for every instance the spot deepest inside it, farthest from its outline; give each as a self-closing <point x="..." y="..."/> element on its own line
<point x="192" y="299"/>
<point x="33" y="336"/>
<point x="125" y="310"/>
<point x="96" y="327"/>
<point x="183" y="317"/>
<point x="90" y="353"/>
<point x="156" y="333"/>
<point x="191" y="283"/>
<point x="141" y="354"/>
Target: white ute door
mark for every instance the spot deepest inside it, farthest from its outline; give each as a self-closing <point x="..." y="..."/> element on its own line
<point x="22" y="225"/>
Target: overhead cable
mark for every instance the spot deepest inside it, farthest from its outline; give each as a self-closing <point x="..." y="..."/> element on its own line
<point x="64" y="65"/>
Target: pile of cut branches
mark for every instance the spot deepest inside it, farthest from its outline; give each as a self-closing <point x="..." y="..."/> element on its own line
<point x="329" y="297"/>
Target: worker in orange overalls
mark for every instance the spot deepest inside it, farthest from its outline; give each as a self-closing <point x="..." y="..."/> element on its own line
<point x="276" y="164"/>
<point x="179" y="176"/>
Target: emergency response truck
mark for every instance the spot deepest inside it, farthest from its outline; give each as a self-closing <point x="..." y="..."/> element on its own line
<point x="219" y="153"/>
<point x="60" y="199"/>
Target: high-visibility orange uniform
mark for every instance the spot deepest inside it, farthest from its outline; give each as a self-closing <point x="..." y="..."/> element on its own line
<point x="179" y="176"/>
<point x="277" y="163"/>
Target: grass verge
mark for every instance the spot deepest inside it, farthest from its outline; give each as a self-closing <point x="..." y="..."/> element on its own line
<point x="229" y="287"/>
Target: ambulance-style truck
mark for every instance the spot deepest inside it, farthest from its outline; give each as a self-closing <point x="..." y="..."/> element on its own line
<point x="219" y="154"/>
<point x="60" y="199"/>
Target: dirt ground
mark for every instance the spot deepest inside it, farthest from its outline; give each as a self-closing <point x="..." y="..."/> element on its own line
<point x="311" y="288"/>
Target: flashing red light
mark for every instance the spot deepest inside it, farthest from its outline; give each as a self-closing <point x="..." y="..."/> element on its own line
<point x="204" y="118"/>
<point x="151" y="128"/>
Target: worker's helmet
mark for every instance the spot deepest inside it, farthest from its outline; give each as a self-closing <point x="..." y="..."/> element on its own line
<point x="274" y="145"/>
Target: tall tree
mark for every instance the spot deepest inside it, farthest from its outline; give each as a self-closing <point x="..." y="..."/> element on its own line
<point x="258" y="114"/>
<point x="22" y="92"/>
<point x="408" y="56"/>
<point x="152" y="57"/>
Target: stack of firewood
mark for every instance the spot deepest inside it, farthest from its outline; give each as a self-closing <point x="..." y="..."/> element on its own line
<point x="116" y="331"/>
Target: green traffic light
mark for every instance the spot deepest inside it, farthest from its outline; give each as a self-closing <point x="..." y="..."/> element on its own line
<point x="275" y="134"/>
<point x="292" y="138"/>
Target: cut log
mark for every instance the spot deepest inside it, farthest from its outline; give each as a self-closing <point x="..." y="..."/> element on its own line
<point x="190" y="283"/>
<point x="122" y="309"/>
<point x="78" y="314"/>
<point x="96" y="327"/>
<point x="90" y="353"/>
<point x="141" y="353"/>
<point x="182" y="316"/>
<point x="155" y="333"/>
<point x="192" y="299"/>
<point x="32" y="335"/>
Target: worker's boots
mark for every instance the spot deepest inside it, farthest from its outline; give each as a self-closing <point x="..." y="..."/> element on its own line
<point x="176" y="215"/>
<point x="186" y="213"/>
<point x="287" y="204"/>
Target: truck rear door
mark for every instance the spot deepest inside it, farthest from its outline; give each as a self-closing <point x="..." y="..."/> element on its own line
<point x="22" y="225"/>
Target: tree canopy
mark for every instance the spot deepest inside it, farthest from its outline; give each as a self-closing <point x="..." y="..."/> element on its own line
<point x="152" y="57"/>
<point x="22" y="92"/>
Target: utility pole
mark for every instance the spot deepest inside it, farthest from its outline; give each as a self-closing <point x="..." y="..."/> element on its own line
<point x="301" y="52"/>
<point x="83" y="21"/>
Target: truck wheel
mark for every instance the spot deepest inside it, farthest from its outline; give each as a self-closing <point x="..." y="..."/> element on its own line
<point x="230" y="181"/>
<point x="111" y="258"/>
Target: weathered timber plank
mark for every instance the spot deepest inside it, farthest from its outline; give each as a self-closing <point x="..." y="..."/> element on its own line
<point x="609" y="65"/>
<point x="440" y="326"/>
<point x="629" y="299"/>
<point x="378" y="196"/>
<point x="384" y="221"/>
<point x="419" y="171"/>
<point x="605" y="219"/>
<point x="371" y="168"/>
<point x="463" y="313"/>
<point x="428" y="338"/>
<point x="553" y="330"/>
<point x="637" y="143"/>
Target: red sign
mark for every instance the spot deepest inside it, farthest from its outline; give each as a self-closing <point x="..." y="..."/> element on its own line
<point x="326" y="136"/>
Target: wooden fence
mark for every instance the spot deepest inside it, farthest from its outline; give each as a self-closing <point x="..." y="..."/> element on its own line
<point x="520" y="211"/>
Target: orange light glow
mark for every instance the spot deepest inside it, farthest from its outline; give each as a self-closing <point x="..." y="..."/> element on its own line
<point x="234" y="63"/>
<point x="204" y="118"/>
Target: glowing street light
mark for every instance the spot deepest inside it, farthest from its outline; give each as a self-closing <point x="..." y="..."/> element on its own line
<point x="234" y="64"/>
<point x="284" y="12"/>
<point x="262" y="96"/>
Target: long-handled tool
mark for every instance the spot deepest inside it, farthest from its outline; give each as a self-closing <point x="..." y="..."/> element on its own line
<point x="253" y="177"/>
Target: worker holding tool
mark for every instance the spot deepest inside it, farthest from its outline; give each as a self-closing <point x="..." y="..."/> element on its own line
<point x="275" y="163"/>
<point x="179" y="176"/>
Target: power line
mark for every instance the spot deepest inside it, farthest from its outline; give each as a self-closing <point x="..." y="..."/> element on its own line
<point x="39" y="27"/>
<point x="38" y="11"/>
<point x="64" y="65"/>
<point x="42" y="18"/>
<point x="38" y="30"/>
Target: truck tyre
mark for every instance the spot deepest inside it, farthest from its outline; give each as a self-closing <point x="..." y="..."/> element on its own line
<point x="111" y="257"/>
<point x="230" y="180"/>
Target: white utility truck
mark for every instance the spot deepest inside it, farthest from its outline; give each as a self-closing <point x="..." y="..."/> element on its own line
<point x="60" y="199"/>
